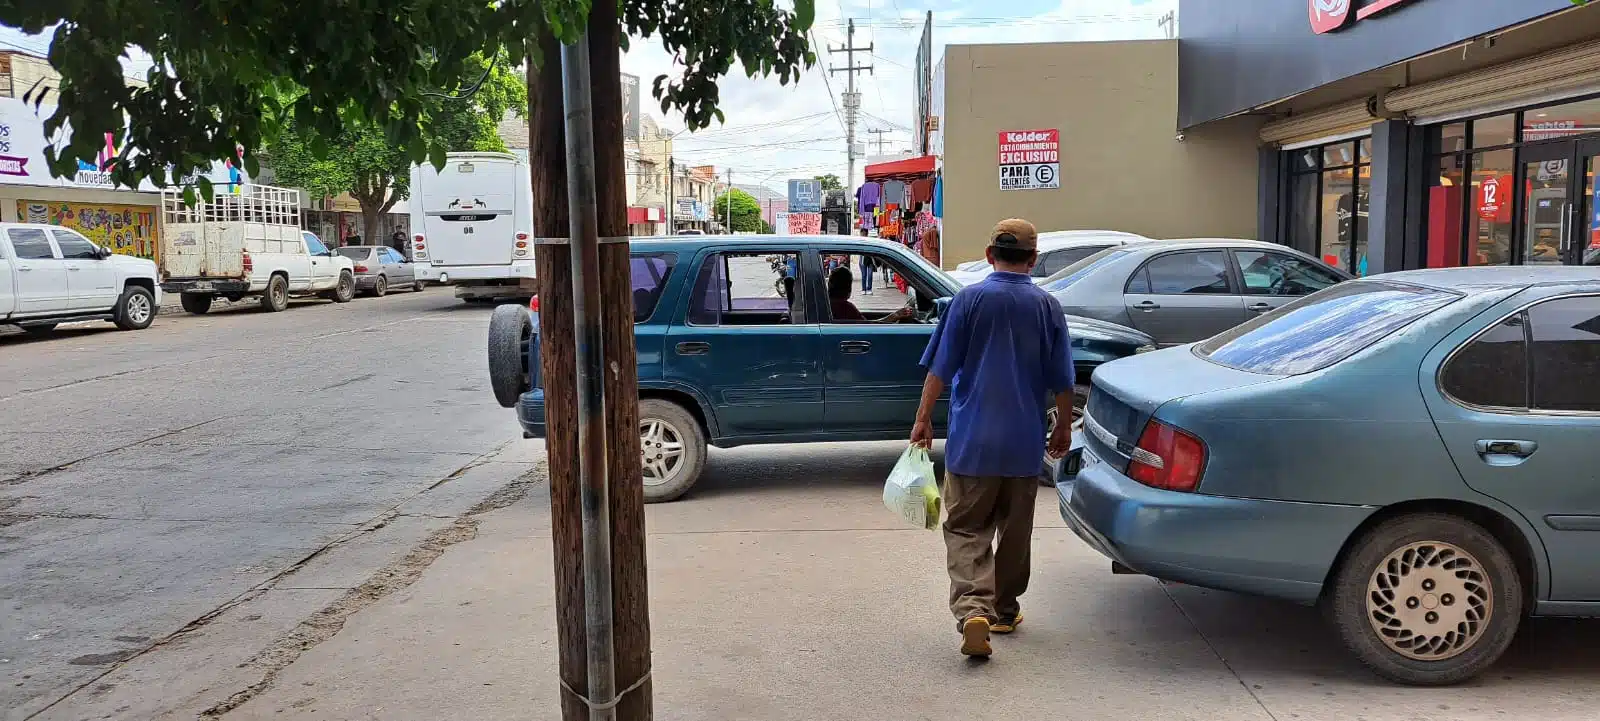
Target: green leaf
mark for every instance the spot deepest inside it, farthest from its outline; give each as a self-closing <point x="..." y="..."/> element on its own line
<point x="805" y="13"/>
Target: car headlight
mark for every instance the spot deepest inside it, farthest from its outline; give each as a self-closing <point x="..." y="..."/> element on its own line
<point x="1146" y="348"/>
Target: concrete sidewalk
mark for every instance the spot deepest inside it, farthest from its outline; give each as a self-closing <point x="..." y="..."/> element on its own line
<point x="781" y="589"/>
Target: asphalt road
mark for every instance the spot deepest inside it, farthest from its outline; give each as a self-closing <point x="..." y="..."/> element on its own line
<point x="149" y="480"/>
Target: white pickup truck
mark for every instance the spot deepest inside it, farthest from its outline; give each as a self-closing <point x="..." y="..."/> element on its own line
<point x="50" y="275"/>
<point x="247" y="245"/>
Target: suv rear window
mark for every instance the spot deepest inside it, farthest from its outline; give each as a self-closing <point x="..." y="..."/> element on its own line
<point x="1322" y="329"/>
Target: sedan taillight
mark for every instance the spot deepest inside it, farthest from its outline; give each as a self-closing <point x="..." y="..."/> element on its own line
<point x="360" y="268"/>
<point x="1167" y="458"/>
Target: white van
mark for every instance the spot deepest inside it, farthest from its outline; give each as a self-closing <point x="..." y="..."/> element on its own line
<point x="472" y="225"/>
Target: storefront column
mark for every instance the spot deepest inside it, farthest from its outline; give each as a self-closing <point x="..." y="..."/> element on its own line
<point x="1269" y="194"/>
<point x="1394" y="211"/>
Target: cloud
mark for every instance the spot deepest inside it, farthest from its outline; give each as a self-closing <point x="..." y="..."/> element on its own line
<point x="775" y="132"/>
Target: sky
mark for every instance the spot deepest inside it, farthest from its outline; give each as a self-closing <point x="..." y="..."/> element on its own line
<point x="775" y="132"/>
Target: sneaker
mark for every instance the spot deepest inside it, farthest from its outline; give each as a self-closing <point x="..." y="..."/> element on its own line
<point x="975" y="637"/>
<point x="1007" y="625"/>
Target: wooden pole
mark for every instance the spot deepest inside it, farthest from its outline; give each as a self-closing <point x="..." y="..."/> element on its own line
<point x="547" y="155"/>
<point x="630" y="588"/>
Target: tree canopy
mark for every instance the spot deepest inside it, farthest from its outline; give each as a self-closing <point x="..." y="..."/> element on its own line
<point x="744" y="209"/>
<point x="223" y="72"/>
<point x="362" y="162"/>
<point x="829" y="181"/>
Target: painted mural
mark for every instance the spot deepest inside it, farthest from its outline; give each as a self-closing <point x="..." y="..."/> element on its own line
<point x="125" y="229"/>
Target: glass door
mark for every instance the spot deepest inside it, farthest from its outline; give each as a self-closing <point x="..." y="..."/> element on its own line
<point x="1547" y="203"/>
<point x="1586" y="243"/>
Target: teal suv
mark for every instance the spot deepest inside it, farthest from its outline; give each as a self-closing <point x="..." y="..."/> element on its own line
<point x="739" y="342"/>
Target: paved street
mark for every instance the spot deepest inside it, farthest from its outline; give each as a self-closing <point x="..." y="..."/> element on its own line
<point x="321" y="514"/>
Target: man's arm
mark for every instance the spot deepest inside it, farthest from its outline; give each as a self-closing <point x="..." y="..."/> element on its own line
<point x="1062" y="378"/>
<point x="922" y="430"/>
<point x="947" y="351"/>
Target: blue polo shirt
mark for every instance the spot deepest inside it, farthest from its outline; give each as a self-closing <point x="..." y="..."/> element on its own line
<point x="1004" y="351"/>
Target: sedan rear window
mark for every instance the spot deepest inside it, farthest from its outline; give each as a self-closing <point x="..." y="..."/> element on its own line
<point x="1072" y="273"/>
<point x="355" y="253"/>
<point x="1324" y="328"/>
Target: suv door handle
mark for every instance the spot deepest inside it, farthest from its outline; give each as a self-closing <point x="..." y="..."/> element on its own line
<point x="1147" y="305"/>
<point x="693" y="348"/>
<point x="1505" y="453"/>
<point x="1259" y="307"/>
<point x="855" y="347"/>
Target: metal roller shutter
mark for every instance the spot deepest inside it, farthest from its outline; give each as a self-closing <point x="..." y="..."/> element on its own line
<point x="1337" y="120"/>
<point x="1540" y="75"/>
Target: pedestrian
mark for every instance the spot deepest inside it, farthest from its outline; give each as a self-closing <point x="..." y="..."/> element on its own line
<point x="1003" y="350"/>
<point x="398" y="242"/>
<point x="866" y="274"/>
<point x="930" y="244"/>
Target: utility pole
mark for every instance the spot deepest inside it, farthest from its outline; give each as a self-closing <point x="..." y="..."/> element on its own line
<point x="672" y="196"/>
<point x="852" y="104"/>
<point x="729" y="195"/>
<point x="880" y="132"/>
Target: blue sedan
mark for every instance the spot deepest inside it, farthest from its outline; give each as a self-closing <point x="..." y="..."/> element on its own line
<point x="1417" y="452"/>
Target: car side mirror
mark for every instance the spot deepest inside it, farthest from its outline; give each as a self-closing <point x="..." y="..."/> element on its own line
<point x="104" y="252"/>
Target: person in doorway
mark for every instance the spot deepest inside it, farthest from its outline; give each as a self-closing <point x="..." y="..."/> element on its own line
<point x="398" y="242"/>
<point x="930" y="244"/>
<point x="1002" y="348"/>
<point x="866" y="274"/>
<point x="839" y="286"/>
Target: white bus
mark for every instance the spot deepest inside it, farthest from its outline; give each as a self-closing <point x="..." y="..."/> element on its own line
<point x="472" y="226"/>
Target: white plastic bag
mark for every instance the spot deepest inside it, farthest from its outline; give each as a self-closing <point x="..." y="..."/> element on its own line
<point x="912" y="491"/>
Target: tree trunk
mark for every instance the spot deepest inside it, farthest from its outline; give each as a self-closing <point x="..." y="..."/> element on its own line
<point x="371" y="217"/>
<point x="630" y="609"/>
<point x="630" y="590"/>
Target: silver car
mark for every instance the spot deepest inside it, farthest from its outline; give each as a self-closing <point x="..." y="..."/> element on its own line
<point x="1057" y="249"/>
<point x="1184" y="291"/>
<point x="380" y="269"/>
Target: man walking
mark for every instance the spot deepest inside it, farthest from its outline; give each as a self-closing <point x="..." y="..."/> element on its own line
<point x="1003" y="348"/>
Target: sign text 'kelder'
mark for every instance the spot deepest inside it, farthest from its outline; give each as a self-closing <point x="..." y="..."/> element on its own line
<point x="1030" y="159"/>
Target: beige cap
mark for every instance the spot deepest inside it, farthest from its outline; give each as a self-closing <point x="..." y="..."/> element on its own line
<point x="1014" y="233"/>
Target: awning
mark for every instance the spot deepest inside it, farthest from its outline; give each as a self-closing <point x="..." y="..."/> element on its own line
<point x="643" y="215"/>
<point x="909" y="166"/>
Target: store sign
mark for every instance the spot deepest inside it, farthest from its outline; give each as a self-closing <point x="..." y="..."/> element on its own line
<point x="22" y="159"/>
<point x="1333" y="15"/>
<point x="1551" y="129"/>
<point x="1030" y="159"/>
<point x="1494" y="199"/>
<point x="805" y="195"/>
<point x="685" y="209"/>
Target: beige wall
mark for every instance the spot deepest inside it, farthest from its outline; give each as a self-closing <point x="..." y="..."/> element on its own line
<point x="1122" y="167"/>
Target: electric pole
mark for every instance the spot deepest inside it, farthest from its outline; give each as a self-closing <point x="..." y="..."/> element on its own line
<point x="852" y="105"/>
<point x="880" y="132"/>
<point x="729" y="195"/>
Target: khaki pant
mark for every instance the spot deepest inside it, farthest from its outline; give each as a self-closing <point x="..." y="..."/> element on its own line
<point x="986" y="581"/>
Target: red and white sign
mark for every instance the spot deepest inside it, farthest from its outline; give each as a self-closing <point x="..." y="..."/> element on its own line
<point x="1030" y="159"/>
<point x="1332" y="15"/>
<point x="1494" y="199"/>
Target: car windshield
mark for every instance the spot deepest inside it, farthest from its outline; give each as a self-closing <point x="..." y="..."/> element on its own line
<point x="355" y="253"/>
<point x="1075" y="272"/>
<point x="1323" y="328"/>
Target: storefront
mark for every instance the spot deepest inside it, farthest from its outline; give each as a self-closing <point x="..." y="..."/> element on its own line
<point x="124" y="220"/>
<point x="1410" y="133"/>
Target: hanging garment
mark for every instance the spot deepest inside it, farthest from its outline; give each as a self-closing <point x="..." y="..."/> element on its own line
<point x="922" y="191"/>
<point x="938" y="197"/>
<point x="894" y="193"/>
<point x="867" y="197"/>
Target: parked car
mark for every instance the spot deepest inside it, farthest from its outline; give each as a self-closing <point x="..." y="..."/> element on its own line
<point x="725" y="361"/>
<point x="1057" y="249"/>
<point x="379" y="268"/>
<point x="51" y="275"/>
<point x="246" y="245"/>
<point x="1182" y="291"/>
<point x="1413" y="451"/>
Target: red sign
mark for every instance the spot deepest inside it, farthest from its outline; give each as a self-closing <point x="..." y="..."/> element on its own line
<point x="1494" y="199"/>
<point x="1027" y="147"/>
<point x="1331" y="15"/>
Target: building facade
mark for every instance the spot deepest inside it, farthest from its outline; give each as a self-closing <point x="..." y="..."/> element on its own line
<point x="1410" y="133"/>
<point x="1098" y="145"/>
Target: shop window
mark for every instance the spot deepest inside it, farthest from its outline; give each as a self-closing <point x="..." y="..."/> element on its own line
<point x="1490" y="220"/>
<point x="1446" y="204"/>
<point x="1452" y="138"/>
<point x="1561" y="121"/>
<point x="1494" y="131"/>
<point x="1327" y="208"/>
